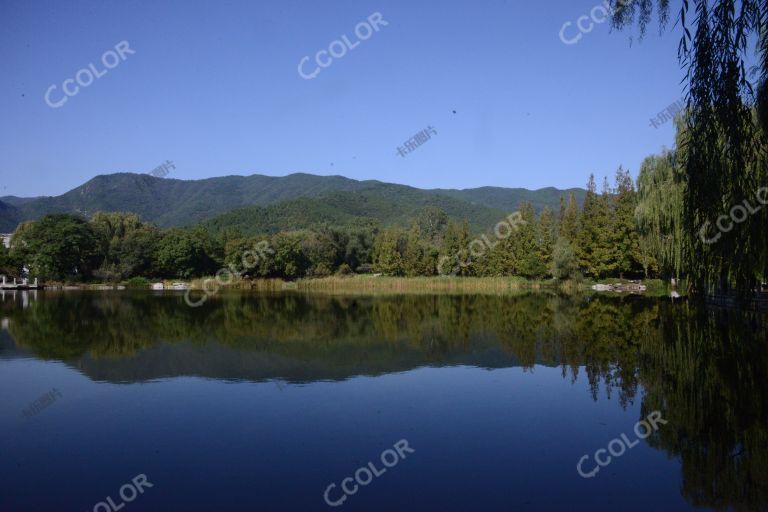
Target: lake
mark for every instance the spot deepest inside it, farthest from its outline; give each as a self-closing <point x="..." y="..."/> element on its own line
<point x="134" y="401"/>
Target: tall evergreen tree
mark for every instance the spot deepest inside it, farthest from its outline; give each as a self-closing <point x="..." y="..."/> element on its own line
<point x="569" y="220"/>
<point x="387" y="252"/>
<point x="416" y="261"/>
<point x="594" y="249"/>
<point x="546" y="241"/>
<point x="526" y="245"/>
<point x="586" y="239"/>
<point x="454" y="252"/>
<point x="624" y="225"/>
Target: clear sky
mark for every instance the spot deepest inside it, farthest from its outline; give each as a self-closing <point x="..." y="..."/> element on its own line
<point x="214" y="87"/>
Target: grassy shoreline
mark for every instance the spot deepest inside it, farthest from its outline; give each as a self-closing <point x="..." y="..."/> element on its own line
<point x="367" y="284"/>
<point x="425" y="285"/>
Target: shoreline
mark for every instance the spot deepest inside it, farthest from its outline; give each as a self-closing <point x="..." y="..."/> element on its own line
<point x="367" y="284"/>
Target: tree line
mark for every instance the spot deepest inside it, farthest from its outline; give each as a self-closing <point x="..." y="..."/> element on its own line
<point x="615" y="233"/>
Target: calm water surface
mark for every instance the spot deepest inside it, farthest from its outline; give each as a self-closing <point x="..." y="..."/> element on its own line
<point x="260" y="403"/>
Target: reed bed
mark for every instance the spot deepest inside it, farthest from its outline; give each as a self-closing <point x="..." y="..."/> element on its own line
<point x="393" y="285"/>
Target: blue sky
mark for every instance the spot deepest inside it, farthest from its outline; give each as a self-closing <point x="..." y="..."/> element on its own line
<point x="214" y="87"/>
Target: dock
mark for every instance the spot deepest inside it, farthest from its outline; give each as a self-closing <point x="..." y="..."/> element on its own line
<point x="22" y="285"/>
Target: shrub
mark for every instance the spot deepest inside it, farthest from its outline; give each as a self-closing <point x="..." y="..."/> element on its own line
<point x="137" y="282"/>
<point x="564" y="264"/>
<point x="344" y="270"/>
<point x="320" y="270"/>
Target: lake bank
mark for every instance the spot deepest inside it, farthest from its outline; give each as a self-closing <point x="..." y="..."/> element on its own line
<point x="370" y="284"/>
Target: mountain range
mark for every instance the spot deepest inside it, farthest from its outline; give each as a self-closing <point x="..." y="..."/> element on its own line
<point x="259" y="203"/>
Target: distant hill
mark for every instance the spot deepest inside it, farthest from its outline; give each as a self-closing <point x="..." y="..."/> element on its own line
<point x="16" y="201"/>
<point x="9" y="218"/>
<point x="171" y="202"/>
<point x="372" y="206"/>
<point x="508" y="199"/>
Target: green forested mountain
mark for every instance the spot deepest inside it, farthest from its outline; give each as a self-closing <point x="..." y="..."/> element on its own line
<point x="9" y="217"/>
<point x="384" y="206"/>
<point x="16" y="201"/>
<point x="389" y="229"/>
<point x="170" y="202"/>
<point x="509" y="199"/>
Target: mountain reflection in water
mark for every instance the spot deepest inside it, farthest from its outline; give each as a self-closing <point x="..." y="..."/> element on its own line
<point x="705" y="369"/>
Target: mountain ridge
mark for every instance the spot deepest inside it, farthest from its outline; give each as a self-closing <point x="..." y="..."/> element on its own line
<point x="170" y="202"/>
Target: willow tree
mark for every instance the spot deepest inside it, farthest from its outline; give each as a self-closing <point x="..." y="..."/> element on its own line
<point x="659" y="215"/>
<point x="723" y="148"/>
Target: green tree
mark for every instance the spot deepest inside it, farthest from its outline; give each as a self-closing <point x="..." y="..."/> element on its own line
<point x="324" y="248"/>
<point x="248" y="257"/>
<point x="525" y="243"/>
<point x="454" y="251"/>
<point x="58" y="246"/>
<point x="659" y="215"/>
<point x="359" y="248"/>
<point x="289" y="259"/>
<point x="569" y="219"/>
<point x="125" y="244"/>
<point x="564" y="264"/>
<point x="546" y="241"/>
<point x="432" y="222"/>
<point x="9" y="266"/>
<point x="183" y="253"/>
<point x="721" y="147"/>
<point x="388" y="252"/>
<point x="594" y="250"/>
<point x="416" y="260"/>
<point x="624" y="225"/>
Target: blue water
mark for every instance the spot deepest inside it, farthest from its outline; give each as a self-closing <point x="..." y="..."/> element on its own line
<point x="483" y="437"/>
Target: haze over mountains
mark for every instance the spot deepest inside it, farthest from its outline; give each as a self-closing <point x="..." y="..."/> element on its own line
<point x="259" y="203"/>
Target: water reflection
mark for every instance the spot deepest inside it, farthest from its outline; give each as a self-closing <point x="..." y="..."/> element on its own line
<point x="22" y="297"/>
<point x="704" y="369"/>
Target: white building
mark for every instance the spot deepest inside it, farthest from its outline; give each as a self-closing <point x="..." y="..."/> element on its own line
<point x="6" y="238"/>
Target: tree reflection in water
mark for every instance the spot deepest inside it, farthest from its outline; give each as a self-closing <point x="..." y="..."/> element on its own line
<point x="704" y="369"/>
